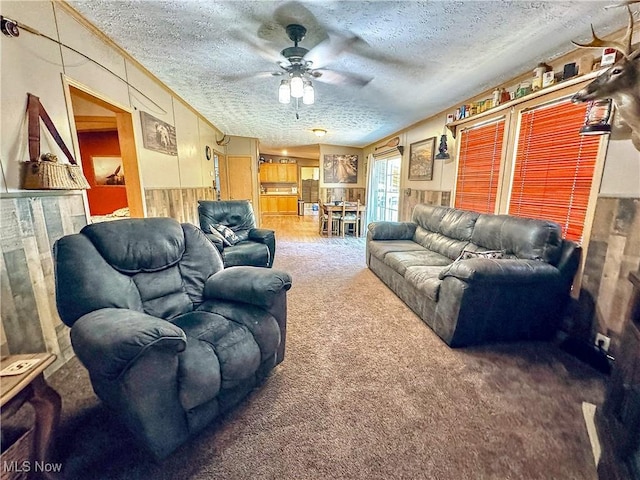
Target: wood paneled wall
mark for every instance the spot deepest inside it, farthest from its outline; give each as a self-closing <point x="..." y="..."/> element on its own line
<point x="178" y="203"/>
<point x="349" y="194"/>
<point x="430" y="197"/>
<point x="614" y="251"/>
<point x="30" y="226"/>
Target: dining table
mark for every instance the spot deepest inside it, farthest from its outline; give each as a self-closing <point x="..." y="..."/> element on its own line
<point x="353" y="207"/>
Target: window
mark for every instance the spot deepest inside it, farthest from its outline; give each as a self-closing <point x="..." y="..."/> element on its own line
<point x="554" y="166"/>
<point x="479" y="167"/>
<point x="385" y="188"/>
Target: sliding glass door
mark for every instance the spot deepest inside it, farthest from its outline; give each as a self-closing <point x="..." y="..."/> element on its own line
<point x="385" y="186"/>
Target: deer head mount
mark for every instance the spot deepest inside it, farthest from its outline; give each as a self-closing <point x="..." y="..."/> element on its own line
<point x="621" y="82"/>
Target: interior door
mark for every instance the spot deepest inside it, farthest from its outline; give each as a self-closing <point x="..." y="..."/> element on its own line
<point x="241" y="176"/>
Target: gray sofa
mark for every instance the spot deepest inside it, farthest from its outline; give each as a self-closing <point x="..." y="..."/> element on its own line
<point x="519" y="296"/>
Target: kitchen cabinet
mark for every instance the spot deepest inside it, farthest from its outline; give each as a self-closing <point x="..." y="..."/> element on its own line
<point x="279" y="204"/>
<point x="279" y="173"/>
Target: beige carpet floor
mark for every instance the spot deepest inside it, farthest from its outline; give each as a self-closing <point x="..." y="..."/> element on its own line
<point x="366" y="391"/>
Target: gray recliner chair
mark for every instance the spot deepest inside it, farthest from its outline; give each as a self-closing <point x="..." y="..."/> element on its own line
<point x="170" y="338"/>
<point x="253" y="246"/>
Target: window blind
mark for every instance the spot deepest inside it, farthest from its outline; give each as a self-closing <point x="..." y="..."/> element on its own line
<point x="479" y="167"/>
<point x="554" y="167"/>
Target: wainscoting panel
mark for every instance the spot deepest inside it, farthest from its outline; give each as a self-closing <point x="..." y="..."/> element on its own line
<point x="30" y="226"/>
<point x="614" y="251"/>
<point x="430" y="197"/>
<point x="178" y="203"/>
<point x="349" y="194"/>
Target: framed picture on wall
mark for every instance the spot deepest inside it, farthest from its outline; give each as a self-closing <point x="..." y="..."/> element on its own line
<point x="158" y="135"/>
<point x="340" y="168"/>
<point x="108" y="170"/>
<point x="421" y="159"/>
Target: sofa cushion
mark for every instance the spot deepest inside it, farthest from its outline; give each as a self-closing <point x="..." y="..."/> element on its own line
<point x="380" y="248"/>
<point x="399" y="261"/>
<point x="525" y="238"/>
<point x="425" y="280"/>
<point x="428" y="216"/>
<point x="437" y="242"/>
<point x="236" y="351"/>
<point x="159" y="243"/>
<point x="458" y="224"/>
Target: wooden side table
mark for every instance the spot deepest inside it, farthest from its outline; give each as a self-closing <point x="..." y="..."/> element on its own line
<point x="31" y="387"/>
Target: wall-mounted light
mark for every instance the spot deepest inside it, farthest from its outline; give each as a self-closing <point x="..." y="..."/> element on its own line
<point x="596" y="120"/>
<point x="443" y="154"/>
<point x="319" y="132"/>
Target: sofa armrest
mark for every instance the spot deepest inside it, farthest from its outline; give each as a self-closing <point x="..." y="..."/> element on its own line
<point x="391" y="231"/>
<point x="261" y="235"/>
<point x="108" y="341"/>
<point x="501" y="271"/>
<point x="253" y="285"/>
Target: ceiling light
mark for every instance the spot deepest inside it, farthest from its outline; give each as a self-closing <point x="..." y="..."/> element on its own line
<point x="319" y="132"/>
<point x="284" y="93"/>
<point x="297" y="86"/>
<point x="308" y="95"/>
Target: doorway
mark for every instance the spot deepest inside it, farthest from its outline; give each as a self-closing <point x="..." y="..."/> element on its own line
<point x="385" y="186"/>
<point x="107" y="152"/>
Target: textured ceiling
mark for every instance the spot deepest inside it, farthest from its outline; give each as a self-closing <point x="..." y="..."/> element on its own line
<point x="423" y="57"/>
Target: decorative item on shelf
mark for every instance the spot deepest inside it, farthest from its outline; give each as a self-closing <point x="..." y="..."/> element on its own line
<point x="450" y="117"/>
<point x="609" y="57"/>
<point x="548" y="79"/>
<point x="570" y="70"/>
<point x="505" y="96"/>
<point x="596" y="120"/>
<point x="497" y="97"/>
<point x="523" y="90"/>
<point x="538" y="73"/>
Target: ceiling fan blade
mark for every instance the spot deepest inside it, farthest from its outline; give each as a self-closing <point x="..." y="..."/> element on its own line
<point x="335" y="77"/>
<point x="240" y="76"/>
<point x="330" y="49"/>
<point x="264" y="49"/>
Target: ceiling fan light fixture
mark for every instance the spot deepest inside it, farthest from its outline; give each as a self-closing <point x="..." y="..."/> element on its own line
<point x="297" y="86"/>
<point x="308" y="95"/>
<point x="284" y="93"/>
<point x="319" y="132"/>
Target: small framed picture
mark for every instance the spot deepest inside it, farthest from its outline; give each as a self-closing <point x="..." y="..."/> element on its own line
<point x="421" y="159"/>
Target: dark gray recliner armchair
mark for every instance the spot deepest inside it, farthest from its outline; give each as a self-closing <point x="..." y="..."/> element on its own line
<point x="170" y="338"/>
<point x="256" y="246"/>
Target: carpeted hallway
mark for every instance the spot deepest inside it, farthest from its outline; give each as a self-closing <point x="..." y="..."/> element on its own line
<point x="366" y="391"/>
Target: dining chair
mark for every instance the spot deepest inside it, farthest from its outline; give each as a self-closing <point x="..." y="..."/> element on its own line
<point x="323" y="220"/>
<point x="350" y="218"/>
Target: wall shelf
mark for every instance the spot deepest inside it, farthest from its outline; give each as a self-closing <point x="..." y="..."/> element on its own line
<point x="452" y="126"/>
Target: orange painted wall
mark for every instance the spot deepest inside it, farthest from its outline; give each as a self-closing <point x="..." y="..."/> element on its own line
<point x="103" y="199"/>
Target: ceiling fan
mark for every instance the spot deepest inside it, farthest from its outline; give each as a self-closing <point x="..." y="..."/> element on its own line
<point x="300" y="65"/>
<point x="298" y="61"/>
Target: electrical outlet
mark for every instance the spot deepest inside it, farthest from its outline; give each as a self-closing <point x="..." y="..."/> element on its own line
<point x="602" y="342"/>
